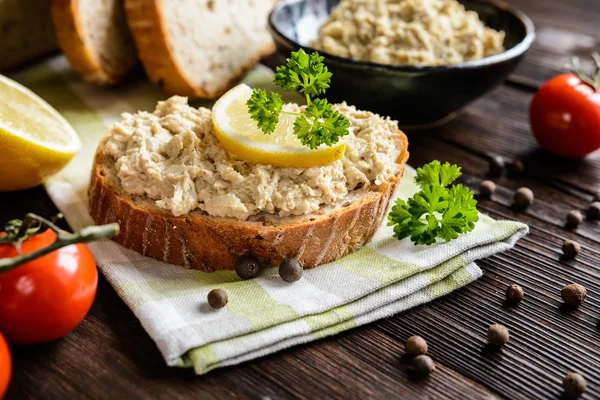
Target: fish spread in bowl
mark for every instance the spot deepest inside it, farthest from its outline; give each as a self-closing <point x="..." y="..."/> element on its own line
<point x="407" y="32"/>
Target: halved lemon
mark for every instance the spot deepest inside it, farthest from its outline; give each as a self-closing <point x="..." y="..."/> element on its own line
<point x="241" y="137"/>
<point x="35" y="140"/>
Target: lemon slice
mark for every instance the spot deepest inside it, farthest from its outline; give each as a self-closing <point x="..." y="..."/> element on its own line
<point x="35" y="140"/>
<point x="241" y="137"/>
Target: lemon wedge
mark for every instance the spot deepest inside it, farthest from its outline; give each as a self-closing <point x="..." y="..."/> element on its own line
<point x="241" y="137"/>
<point x="35" y="140"/>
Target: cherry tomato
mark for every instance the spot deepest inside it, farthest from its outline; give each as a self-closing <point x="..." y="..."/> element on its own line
<point x="5" y="366"/>
<point x="44" y="299"/>
<point x="565" y="116"/>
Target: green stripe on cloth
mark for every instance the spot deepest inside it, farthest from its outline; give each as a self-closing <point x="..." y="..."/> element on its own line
<point x="204" y="360"/>
<point x="368" y="263"/>
<point x="264" y="315"/>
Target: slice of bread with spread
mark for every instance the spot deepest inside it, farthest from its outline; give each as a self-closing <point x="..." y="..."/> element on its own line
<point x="180" y="198"/>
<point x="95" y="38"/>
<point x="27" y="32"/>
<point x="199" y="49"/>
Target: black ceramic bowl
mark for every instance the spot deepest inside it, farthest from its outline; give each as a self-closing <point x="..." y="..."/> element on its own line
<point x="414" y="95"/>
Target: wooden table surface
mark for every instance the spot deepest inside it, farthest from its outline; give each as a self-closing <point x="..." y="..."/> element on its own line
<point x="110" y="356"/>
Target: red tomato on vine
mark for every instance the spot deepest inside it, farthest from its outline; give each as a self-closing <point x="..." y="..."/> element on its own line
<point x="47" y="290"/>
<point x="565" y="113"/>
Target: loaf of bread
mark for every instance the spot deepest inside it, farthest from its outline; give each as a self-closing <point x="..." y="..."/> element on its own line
<point x="26" y="32"/>
<point x="95" y="38"/>
<point x="199" y="48"/>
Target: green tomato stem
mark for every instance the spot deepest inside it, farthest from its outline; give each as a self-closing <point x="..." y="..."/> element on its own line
<point x="86" y="235"/>
<point x="592" y="79"/>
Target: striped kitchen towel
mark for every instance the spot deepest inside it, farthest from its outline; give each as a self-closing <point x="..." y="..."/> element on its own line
<point x="265" y="314"/>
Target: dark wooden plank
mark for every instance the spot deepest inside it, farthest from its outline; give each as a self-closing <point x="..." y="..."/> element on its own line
<point x="564" y="29"/>
<point x="498" y="124"/>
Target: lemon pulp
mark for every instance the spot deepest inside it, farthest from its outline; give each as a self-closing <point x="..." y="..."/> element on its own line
<point x="36" y="141"/>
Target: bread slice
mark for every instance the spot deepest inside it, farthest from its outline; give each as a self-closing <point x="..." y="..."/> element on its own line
<point x="199" y="48"/>
<point x="26" y="32"/>
<point x="208" y="243"/>
<point x="95" y="38"/>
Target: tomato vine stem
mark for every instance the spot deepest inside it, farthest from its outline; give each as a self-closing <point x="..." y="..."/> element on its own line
<point x="18" y="231"/>
<point x="593" y="78"/>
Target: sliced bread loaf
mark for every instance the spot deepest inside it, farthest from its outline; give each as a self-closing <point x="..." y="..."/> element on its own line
<point x="179" y="197"/>
<point x="199" y="48"/>
<point x="27" y="32"/>
<point x="95" y="38"/>
<point x="208" y="243"/>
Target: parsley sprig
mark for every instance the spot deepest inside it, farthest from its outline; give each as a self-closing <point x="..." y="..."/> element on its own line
<point x="319" y="123"/>
<point x="438" y="210"/>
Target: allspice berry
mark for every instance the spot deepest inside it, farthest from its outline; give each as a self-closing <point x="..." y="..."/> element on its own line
<point x="496" y="166"/>
<point x="290" y="270"/>
<point x="574" y="218"/>
<point x="516" y="168"/>
<point x="574" y="384"/>
<point x="247" y="267"/>
<point x="421" y="366"/>
<point x="514" y="294"/>
<point x="487" y="188"/>
<point x="217" y="298"/>
<point x="593" y="212"/>
<point x="573" y="294"/>
<point x="523" y="197"/>
<point x="415" y="346"/>
<point x="571" y="248"/>
<point x="498" y="335"/>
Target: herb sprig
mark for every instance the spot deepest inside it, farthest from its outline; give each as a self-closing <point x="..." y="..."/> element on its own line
<point x="437" y="210"/>
<point x="319" y="123"/>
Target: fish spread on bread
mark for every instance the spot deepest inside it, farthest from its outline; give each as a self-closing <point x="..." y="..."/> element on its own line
<point x="172" y="157"/>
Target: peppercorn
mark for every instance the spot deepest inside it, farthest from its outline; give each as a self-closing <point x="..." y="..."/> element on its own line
<point x="415" y="346"/>
<point x="574" y="384"/>
<point x="487" y="188"/>
<point x="515" y="168"/>
<point x="496" y="166"/>
<point x="594" y="211"/>
<point x="514" y="293"/>
<point x="523" y="197"/>
<point x="596" y="196"/>
<point x="247" y="267"/>
<point x="421" y="366"/>
<point x="217" y="298"/>
<point x="498" y="335"/>
<point x="571" y="248"/>
<point x="290" y="270"/>
<point x="573" y="294"/>
<point x="574" y="218"/>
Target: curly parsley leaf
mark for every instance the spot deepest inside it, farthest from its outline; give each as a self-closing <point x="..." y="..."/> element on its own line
<point x="304" y="73"/>
<point x="320" y="125"/>
<point x="436" y="210"/>
<point x="265" y="109"/>
<point x="436" y="173"/>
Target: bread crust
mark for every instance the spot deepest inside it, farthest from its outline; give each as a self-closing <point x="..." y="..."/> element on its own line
<point x="200" y="241"/>
<point x="69" y="31"/>
<point x="162" y="67"/>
